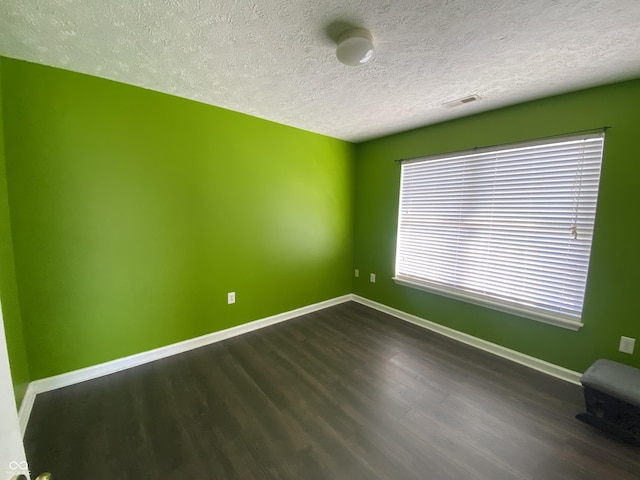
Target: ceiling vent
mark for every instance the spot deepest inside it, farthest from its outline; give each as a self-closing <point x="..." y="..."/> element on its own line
<point x="461" y="101"/>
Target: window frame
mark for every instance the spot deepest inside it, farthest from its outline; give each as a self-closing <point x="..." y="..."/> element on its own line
<point x="512" y="307"/>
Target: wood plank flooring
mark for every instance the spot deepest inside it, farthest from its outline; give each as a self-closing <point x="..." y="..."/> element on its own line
<point x="344" y="393"/>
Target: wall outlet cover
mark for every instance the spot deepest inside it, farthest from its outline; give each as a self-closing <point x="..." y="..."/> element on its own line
<point x="372" y="278"/>
<point x="231" y="297"/>
<point x="627" y="345"/>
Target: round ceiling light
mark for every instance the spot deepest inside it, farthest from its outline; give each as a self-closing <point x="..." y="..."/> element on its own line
<point x="355" y="47"/>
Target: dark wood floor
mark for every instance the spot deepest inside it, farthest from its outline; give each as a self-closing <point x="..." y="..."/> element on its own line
<point x="345" y="393"/>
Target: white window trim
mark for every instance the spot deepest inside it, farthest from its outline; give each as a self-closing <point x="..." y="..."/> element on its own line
<point x="553" y="318"/>
<point x="501" y="306"/>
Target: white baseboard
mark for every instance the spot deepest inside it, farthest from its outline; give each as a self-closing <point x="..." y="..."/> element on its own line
<point x="517" y="357"/>
<point x="25" y="407"/>
<point x="95" y="371"/>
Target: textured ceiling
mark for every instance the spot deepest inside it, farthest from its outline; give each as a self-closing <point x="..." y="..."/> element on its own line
<point x="275" y="59"/>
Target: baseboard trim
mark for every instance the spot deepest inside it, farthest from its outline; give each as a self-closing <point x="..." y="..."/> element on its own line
<point x="512" y="355"/>
<point x="77" y="376"/>
<point x="70" y="378"/>
<point x="24" y="412"/>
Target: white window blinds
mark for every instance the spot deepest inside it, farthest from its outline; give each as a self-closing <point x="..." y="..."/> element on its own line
<point x="509" y="228"/>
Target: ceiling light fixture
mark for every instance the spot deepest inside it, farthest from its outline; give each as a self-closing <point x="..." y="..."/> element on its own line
<point x="355" y="47"/>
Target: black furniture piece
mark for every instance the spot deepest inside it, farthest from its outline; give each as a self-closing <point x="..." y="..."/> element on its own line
<point x="612" y="398"/>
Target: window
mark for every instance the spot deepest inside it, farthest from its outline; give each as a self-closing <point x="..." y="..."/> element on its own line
<point x="506" y="227"/>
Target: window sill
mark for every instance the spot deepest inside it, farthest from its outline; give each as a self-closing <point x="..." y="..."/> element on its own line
<point x="557" y="320"/>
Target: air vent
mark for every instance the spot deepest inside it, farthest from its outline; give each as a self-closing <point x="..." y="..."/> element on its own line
<point x="461" y="101"/>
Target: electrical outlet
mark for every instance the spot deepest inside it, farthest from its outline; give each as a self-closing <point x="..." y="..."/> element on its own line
<point x="372" y="278"/>
<point x="627" y="344"/>
<point x="231" y="297"/>
<point x="356" y="273"/>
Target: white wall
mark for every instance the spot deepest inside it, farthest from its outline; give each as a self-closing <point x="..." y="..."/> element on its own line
<point x="13" y="460"/>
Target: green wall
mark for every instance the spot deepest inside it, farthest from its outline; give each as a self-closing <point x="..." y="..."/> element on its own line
<point x="133" y="213"/>
<point x="8" y="288"/>
<point x="611" y="303"/>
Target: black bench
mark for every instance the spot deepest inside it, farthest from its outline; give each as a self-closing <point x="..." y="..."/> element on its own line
<point x="612" y="398"/>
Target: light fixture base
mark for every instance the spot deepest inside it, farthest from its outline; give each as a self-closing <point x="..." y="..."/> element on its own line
<point x="355" y="47"/>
